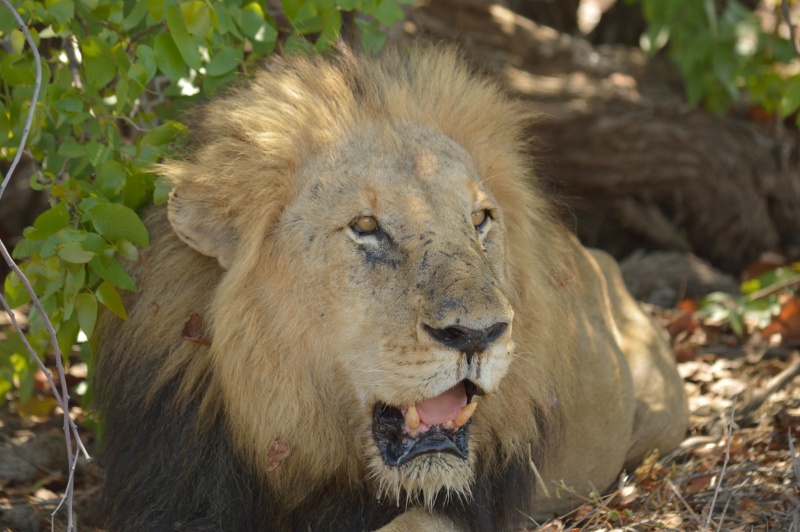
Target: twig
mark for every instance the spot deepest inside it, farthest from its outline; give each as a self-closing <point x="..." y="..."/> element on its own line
<point x="724" y="511"/>
<point x="795" y="459"/>
<point x="776" y="383"/>
<point x="37" y="84"/>
<point x="788" y="17"/>
<point x="63" y="397"/>
<point x="127" y="120"/>
<point x="771" y="289"/>
<point x="721" y="473"/>
<point x="683" y="501"/>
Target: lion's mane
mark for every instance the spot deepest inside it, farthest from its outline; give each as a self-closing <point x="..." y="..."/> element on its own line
<point x="177" y="455"/>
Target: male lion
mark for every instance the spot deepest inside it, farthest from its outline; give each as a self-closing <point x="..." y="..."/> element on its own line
<point x="386" y="297"/>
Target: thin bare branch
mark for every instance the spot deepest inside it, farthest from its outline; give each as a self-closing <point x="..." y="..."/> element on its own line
<point x="771" y="289"/>
<point x="787" y="16"/>
<point x="63" y="397"/>
<point x="36" y="86"/>
<point x="794" y="458"/>
<point x="721" y="473"/>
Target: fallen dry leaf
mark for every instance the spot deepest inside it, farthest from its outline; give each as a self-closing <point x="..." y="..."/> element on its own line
<point x="278" y="452"/>
<point x="193" y="330"/>
<point x="787" y="323"/>
<point x="37" y="407"/>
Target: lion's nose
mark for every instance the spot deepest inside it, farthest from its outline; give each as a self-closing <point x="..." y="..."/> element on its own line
<point x="469" y="341"/>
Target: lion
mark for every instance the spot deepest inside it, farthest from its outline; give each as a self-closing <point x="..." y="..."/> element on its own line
<point x="391" y="328"/>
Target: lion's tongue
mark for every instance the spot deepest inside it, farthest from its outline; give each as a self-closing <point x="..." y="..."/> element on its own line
<point x="443" y="407"/>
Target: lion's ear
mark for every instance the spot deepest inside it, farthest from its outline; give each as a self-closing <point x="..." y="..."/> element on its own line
<point x="203" y="222"/>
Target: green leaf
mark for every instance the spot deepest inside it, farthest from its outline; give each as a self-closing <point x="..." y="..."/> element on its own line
<point x="183" y="40"/>
<point x="259" y="27"/>
<point x="67" y="335"/>
<point x="61" y="10"/>
<point x="224" y="61"/>
<point x="136" y="15"/>
<point x="127" y="250"/>
<point x="372" y="38"/>
<point x="74" y="253"/>
<point x="50" y="221"/>
<point x="147" y="58"/>
<point x="98" y="61"/>
<point x="156" y="9"/>
<point x="115" y="221"/>
<point x="86" y="305"/>
<point x="73" y="283"/>
<point x="70" y="148"/>
<point x="164" y="134"/>
<point x="197" y="18"/>
<point x="162" y="190"/>
<point x="110" y="177"/>
<point x="69" y="105"/>
<point x="330" y="31"/>
<point x="17" y="39"/>
<point x="108" y="296"/>
<point x="16" y="294"/>
<point x="168" y="58"/>
<point x="791" y="99"/>
<point x="296" y="43"/>
<point x="736" y="321"/>
<point x="388" y="12"/>
<point x="113" y="272"/>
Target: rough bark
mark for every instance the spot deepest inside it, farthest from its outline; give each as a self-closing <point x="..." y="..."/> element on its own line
<point x="633" y="165"/>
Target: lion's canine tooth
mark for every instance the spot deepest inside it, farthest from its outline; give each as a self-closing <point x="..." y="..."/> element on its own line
<point x="412" y="418"/>
<point x="464" y="415"/>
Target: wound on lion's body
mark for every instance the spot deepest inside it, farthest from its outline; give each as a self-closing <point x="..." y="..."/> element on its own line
<point x="398" y="331"/>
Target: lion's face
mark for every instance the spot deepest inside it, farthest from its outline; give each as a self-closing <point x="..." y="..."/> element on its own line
<point x="405" y="250"/>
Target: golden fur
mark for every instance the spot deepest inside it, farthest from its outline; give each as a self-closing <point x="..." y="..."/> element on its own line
<point x="312" y="324"/>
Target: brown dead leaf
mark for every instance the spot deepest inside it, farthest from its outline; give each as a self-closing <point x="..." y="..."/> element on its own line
<point x="671" y="520"/>
<point x="787" y="322"/>
<point x="154" y="307"/>
<point x="556" y="525"/>
<point x="698" y="484"/>
<point x="684" y="321"/>
<point x="37" y="407"/>
<point x="625" y="497"/>
<point x="193" y="330"/>
<point x="278" y="452"/>
<point x="583" y="511"/>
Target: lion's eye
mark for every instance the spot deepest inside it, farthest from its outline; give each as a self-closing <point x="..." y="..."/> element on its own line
<point x="365" y="225"/>
<point x="479" y="218"/>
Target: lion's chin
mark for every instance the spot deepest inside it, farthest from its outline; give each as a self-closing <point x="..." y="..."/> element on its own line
<point x="424" y="480"/>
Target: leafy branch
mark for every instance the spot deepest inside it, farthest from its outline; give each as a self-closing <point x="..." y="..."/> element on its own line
<point x="62" y="396"/>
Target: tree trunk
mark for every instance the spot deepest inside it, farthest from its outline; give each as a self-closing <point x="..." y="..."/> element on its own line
<point x="632" y="164"/>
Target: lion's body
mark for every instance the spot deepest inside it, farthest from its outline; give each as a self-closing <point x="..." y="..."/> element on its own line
<point x="321" y="332"/>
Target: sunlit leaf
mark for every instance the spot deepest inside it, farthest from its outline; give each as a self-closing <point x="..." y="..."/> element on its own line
<point x="86" y="307"/>
<point x="98" y="61"/>
<point x="115" y="221"/>
<point x="107" y="295"/>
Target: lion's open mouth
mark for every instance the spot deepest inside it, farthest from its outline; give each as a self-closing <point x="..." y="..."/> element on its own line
<point x="438" y="424"/>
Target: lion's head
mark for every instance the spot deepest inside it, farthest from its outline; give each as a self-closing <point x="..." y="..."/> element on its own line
<point x="375" y="224"/>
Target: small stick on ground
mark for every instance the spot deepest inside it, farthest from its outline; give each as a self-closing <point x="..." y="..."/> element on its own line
<point x="776" y="383"/>
<point x="721" y="473"/>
